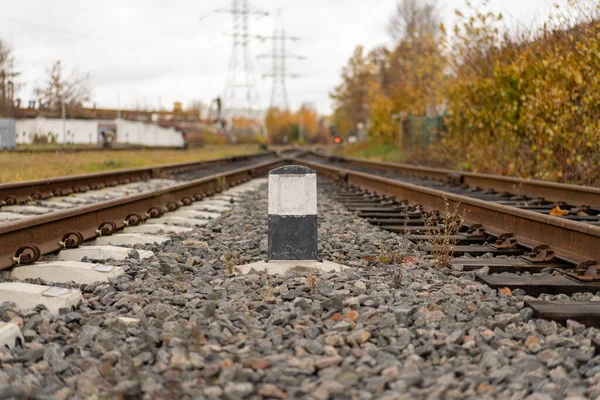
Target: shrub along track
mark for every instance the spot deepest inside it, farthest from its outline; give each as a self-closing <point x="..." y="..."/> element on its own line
<point x="516" y="229"/>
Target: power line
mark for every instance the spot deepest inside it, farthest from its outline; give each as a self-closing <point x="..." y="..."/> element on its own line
<point x="55" y="30"/>
<point x="279" y="56"/>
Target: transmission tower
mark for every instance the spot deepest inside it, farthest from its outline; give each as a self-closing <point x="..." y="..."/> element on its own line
<point x="240" y="97"/>
<point x="279" y="56"/>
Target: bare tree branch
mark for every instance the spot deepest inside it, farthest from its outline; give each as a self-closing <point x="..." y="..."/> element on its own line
<point x="74" y="90"/>
<point x="9" y="84"/>
<point x="414" y="19"/>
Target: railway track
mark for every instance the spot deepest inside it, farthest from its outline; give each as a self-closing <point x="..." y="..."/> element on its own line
<point x="560" y="219"/>
<point x="21" y="192"/>
<point x="506" y="232"/>
<point x="530" y="188"/>
<point x="25" y="238"/>
<point x="170" y="302"/>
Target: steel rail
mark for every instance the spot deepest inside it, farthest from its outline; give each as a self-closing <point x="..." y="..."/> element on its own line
<point x="18" y="192"/>
<point x="47" y="232"/>
<point x="557" y="192"/>
<point x="572" y="241"/>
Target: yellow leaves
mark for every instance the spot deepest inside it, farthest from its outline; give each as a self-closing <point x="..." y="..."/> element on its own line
<point x="558" y="212"/>
<point x="281" y="123"/>
<point x="533" y="103"/>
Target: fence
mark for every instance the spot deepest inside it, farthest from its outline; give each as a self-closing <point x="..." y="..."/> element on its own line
<point x="419" y="132"/>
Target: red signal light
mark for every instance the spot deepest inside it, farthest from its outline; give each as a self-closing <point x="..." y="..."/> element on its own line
<point x="337" y="139"/>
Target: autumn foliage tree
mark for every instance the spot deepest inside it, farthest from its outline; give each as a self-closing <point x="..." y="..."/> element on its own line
<point x="406" y="78"/>
<point x="529" y="103"/>
<point x="351" y="97"/>
<point x="285" y="126"/>
<point x="521" y="103"/>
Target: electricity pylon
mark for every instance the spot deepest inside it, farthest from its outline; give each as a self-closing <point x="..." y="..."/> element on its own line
<point x="241" y="96"/>
<point x="279" y="56"/>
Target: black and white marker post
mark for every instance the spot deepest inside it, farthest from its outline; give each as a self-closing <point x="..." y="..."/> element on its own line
<point x="293" y="214"/>
<point x="292" y="223"/>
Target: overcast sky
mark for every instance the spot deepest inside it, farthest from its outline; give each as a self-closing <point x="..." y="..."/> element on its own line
<point x="146" y="51"/>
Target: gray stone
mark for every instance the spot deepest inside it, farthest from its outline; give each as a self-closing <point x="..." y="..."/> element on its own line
<point x="334" y="304"/>
<point x="55" y="357"/>
<point x="238" y="390"/>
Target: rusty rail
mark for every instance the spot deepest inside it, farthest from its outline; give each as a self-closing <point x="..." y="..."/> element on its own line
<point x="573" y="241"/>
<point x="551" y="191"/>
<point x="18" y="192"/>
<point x="25" y="240"/>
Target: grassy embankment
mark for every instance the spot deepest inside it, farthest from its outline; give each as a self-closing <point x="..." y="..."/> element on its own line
<point x="372" y="150"/>
<point x="16" y="167"/>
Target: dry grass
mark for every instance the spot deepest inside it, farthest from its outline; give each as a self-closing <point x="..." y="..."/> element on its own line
<point x="16" y="167"/>
<point x="268" y="292"/>
<point x="443" y="237"/>
<point x="312" y="281"/>
<point x="231" y="262"/>
<point x="372" y="150"/>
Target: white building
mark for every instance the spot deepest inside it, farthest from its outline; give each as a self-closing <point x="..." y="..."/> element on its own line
<point x="84" y="131"/>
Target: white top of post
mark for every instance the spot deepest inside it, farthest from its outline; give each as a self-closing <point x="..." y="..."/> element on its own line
<point x="293" y="191"/>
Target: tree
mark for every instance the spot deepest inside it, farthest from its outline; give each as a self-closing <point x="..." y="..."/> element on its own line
<point x="409" y="77"/>
<point x="278" y="123"/>
<point x="284" y="126"/>
<point x="197" y="106"/>
<point x="8" y="79"/>
<point x="414" y="19"/>
<point x="416" y="64"/>
<point x="307" y="118"/>
<point x="350" y="98"/>
<point x="74" y="90"/>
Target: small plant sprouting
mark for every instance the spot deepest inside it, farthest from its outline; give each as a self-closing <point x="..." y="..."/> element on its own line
<point x="442" y="237"/>
<point x="222" y="183"/>
<point x="387" y="256"/>
<point x="268" y="293"/>
<point x="311" y="281"/>
<point x="231" y="262"/>
<point x="393" y="264"/>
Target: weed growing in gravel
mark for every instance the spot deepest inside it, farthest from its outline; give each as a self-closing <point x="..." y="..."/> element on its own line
<point x="230" y="264"/>
<point x="177" y="274"/>
<point x="268" y="293"/>
<point x="392" y="263"/>
<point x="387" y="256"/>
<point x="311" y="281"/>
<point x="222" y="183"/>
<point x="403" y="255"/>
<point x="442" y="237"/>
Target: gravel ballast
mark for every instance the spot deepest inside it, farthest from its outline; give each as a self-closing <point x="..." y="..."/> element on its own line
<point x="184" y="325"/>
